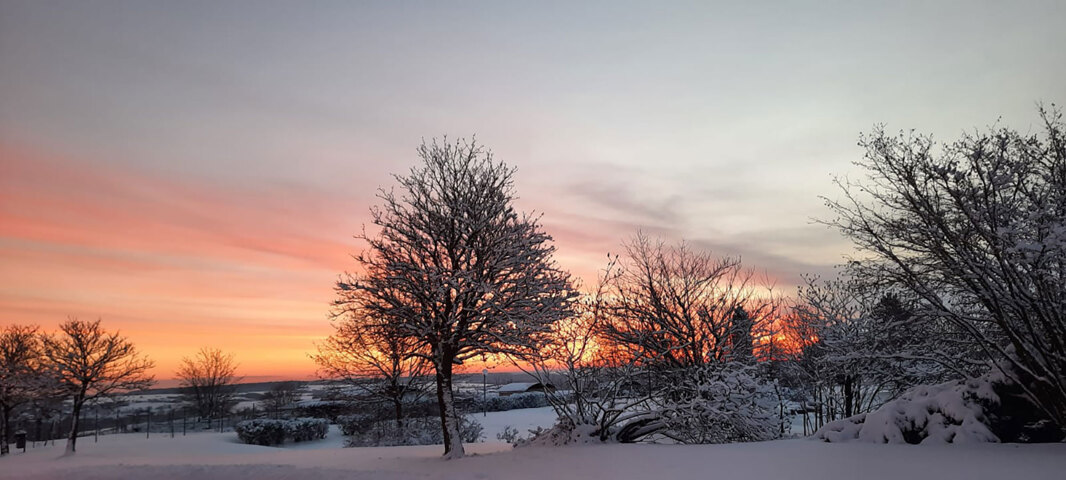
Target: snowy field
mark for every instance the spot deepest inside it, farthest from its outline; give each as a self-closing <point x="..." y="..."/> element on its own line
<point x="203" y="456"/>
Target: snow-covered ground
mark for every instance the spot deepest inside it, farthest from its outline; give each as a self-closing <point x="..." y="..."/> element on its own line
<point x="204" y="456"/>
<point x="523" y="420"/>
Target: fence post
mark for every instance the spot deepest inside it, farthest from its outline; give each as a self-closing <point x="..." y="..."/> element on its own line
<point x="96" y="434"/>
<point x="148" y="422"/>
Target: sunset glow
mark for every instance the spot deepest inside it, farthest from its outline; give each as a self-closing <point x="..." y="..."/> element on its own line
<point x="194" y="177"/>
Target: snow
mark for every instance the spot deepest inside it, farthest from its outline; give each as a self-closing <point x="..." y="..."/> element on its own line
<point x="204" y="456"/>
<point x="523" y="420"/>
<point x="212" y="455"/>
<point x="950" y="412"/>
<point x="516" y="387"/>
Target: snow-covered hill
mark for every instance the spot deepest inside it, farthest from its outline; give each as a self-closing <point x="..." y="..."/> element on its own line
<point x="204" y="456"/>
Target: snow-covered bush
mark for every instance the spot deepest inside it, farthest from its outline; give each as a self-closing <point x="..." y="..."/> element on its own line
<point x="544" y="436"/>
<point x="355" y="423"/>
<point x="951" y="412"/>
<point x="267" y="432"/>
<point x="304" y="429"/>
<point x="411" y="431"/>
<point x="261" y="431"/>
<point x="512" y="402"/>
<point x="990" y="408"/>
<point x="564" y="432"/>
<point x="509" y="435"/>
<point x="720" y="404"/>
<point x="470" y="430"/>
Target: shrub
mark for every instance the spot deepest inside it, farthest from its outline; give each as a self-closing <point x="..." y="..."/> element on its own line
<point x="512" y="402"/>
<point x="261" y="431"/>
<point x="951" y="412"/>
<point x="721" y="404"/>
<point x="564" y="432"/>
<point x="269" y="432"/>
<point x="355" y="423"/>
<point x="509" y="435"/>
<point x="412" y="431"/>
<point x="303" y="429"/>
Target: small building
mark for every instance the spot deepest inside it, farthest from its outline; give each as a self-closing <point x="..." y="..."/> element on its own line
<point x="524" y="387"/>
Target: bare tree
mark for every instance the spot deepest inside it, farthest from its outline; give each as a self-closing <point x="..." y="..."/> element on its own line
<point x="20" y="373"/>
<point x="977" y="231"/>
<point x="676" y="307"/>
<point x="209" y="380"/>
<point x="91" y="363"/>
<point x="598" y="398"/>
<point x="380" y="363"/>
<point x="456" y="268"/>
<point x="663" y="347"/>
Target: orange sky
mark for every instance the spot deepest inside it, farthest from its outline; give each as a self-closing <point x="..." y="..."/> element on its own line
<point x="192" y="173"/>
<point x="171" y="265"/>
<point x="174" y="266"/>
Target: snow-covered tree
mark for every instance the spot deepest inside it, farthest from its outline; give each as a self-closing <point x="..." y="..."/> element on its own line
<point x="208" y="380"/>
<point x="858" y="349"/>
<point x="976" y="229"/>
<point x="599" y="395"/>
<point x="457" y="268"/>
<point x="91" y="363"/>
<point x="664" y="347"/>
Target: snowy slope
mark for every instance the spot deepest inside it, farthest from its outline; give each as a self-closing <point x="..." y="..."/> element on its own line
<point x="205" y="456"/>
<point x="211" y="455"/>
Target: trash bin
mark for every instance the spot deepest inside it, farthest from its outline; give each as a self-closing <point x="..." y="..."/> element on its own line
<point x="20" y="439"/>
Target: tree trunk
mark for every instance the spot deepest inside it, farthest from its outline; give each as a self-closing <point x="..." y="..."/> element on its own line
<point x="5" y="413"/>
<point x="453" y="444"/>
<point x="397" y="405"/>
<point x="849" y="395"/>
<point x="73" y="438"/>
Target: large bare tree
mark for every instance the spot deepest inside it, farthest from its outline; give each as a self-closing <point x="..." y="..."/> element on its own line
<point x="208" y="379"/>
<point x="675" y="307"/>
<point x="976" y="229"/>
<point x="92" y="362"/>
<point x="457" y="268"/>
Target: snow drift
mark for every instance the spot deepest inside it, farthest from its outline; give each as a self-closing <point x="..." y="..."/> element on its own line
<point x="951" y="412"/>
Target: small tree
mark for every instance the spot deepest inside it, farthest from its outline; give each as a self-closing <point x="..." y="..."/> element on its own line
<point x="379" y="362"/>
<point x="977" y="231"/>
<point x="456" y="268"/>
<point x="90" y="363"/>
<point x="208" y="380"/>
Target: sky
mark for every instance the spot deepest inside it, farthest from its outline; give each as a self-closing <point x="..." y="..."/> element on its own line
<point x="193" y="173"/>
